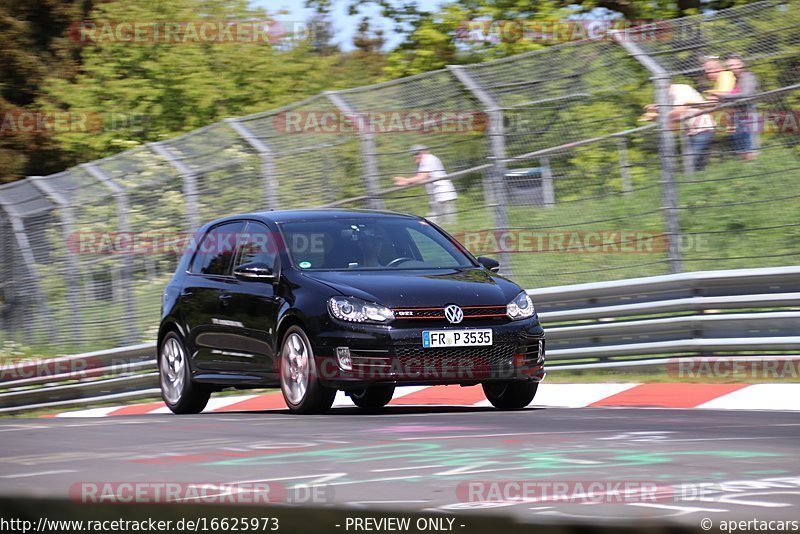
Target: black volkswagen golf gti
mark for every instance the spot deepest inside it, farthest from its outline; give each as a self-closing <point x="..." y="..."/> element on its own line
<point x="316" y="301"/>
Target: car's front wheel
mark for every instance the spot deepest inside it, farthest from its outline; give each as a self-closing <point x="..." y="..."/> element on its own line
<point x="301" y="390"/>
<point x="372" y="398"/>
<point x="180" y="393"/>
<point x="510" y="395"/>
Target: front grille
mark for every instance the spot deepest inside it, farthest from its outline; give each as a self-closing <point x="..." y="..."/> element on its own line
<point x="492" y="355"/>
<point x="467" y="363"/>
<point x="463" y="362"/>
<point x="484" y="311"/>
<point x="470" y="312"/>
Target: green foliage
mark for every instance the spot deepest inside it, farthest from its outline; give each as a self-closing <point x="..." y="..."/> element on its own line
<point x="33" y="46"/>
<point x="131" y="93"/>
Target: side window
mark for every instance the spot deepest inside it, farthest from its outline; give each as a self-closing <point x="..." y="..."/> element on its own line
<point x="257" y="245"/>
<point x="215" y="252"/>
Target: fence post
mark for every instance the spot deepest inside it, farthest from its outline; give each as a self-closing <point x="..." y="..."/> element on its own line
<point x="28" y="259"/>
<point x="73" y="271"/>
<point x="686" y="154"/>
<point x="624" y="164"/>
<point x="666" y="148"/>
<point x="267" y="161"/>
<point x="668" y="154"/>
<point x="497" y="145"/>
<point x="189" y="184"/>
<point x="6" y="267"/>
<point x="121" y="197"/>
<point x="548" y="187"/>
<point x="368" y="150"/>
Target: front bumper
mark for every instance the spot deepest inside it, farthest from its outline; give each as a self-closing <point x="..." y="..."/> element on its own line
<point x="394" y="355"/>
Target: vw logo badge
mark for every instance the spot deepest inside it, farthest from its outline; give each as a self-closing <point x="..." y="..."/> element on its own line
<point x="453" y="313"/>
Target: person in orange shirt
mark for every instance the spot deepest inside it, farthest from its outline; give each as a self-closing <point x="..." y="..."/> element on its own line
<point x="724" y="80"/>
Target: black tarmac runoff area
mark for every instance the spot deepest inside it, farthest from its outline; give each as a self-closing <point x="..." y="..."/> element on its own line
<point x="549" y="465"/>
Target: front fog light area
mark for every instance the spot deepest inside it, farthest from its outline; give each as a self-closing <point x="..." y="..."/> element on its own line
<point x="345" y="361"/>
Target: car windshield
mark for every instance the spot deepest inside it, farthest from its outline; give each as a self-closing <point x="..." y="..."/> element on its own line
<point x="379" y="243"/>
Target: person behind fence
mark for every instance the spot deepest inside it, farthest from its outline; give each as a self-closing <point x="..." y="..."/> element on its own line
<point x="744" y="117"/>
<point x="723" y="80"/>
<point x="441" y="193"/>
<point x="686" y="114"/>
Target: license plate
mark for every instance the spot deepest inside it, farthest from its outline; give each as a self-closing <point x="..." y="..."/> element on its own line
<point x="456" y="338"/>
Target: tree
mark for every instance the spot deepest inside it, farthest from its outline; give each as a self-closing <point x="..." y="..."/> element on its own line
<point x="172" y="88"/>
<point x="34" y="44"/>
<point x="466" y="31"/>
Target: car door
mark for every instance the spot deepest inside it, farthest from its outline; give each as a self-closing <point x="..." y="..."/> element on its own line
<point x="251" y="306"/>
<point x="202" y="297"/>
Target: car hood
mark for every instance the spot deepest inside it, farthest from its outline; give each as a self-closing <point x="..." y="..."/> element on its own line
<point x="422" y="288"/>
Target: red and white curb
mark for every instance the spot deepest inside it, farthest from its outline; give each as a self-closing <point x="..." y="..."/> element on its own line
<point x="784" y="396"/>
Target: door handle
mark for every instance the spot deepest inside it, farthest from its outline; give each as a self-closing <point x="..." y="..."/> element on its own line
<point x="224" y="298"/>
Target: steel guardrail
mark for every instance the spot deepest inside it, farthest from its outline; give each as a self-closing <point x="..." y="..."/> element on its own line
<point x="657" y="319"/>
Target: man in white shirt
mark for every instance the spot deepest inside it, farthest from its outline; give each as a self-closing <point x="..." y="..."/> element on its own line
<point x="441" y="193"/>
<point x="687" y="105"/>
<point x="686" y="115"/>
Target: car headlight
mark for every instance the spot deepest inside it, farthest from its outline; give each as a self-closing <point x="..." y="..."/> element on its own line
<point x="520" y="308"/>
<point x="356" y="310"/>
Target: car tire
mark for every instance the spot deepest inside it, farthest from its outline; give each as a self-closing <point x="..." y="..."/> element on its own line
<point x="510" y="395"/>
<point x="298" y="372"/>
<point x="180" y="393"/>
<point x="372" y="398"/>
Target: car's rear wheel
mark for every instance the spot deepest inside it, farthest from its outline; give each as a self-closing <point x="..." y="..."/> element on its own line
<point x="510" y="395"/>
<point x="301" y="390"/>
<point x="180" y="393"/>
<point x="372" y="398"/>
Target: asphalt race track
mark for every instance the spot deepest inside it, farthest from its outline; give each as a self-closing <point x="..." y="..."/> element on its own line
<point x="425" y="458"/>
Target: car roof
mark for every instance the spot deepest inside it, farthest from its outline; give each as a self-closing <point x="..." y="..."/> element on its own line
<point x="318" y="214"/>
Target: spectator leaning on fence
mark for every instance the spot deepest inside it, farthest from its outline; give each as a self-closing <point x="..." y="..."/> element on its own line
<point x="744" y="117"/>
<point x="687" y="106"/>
<point x="685" y="114"/>
<point x="441" y="193"/>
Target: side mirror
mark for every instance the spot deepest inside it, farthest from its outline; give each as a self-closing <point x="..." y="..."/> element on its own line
<point x="254" y="272"/>
<point x="490" y="263"/>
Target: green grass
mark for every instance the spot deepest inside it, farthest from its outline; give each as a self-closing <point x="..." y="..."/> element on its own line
<point x="733" y="215"/>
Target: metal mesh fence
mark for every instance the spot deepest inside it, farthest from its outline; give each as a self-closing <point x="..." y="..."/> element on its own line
<point x="305" y="154"/>
<point x="554" y="174"/>
<point x="735" y="212"/>
<point x="460" y="147"/>
<point x="576" y="93"/>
